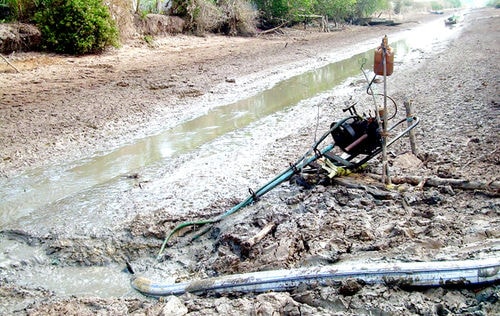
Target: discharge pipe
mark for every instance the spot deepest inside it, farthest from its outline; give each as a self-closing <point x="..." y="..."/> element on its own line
<point x="428" y="274"/>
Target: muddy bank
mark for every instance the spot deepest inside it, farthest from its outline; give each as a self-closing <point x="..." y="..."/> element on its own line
<point x="355" y="219"/>
<point x="60" y="108"/>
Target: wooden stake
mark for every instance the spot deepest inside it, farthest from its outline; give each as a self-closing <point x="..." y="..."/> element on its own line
<point x="409" y="118"/>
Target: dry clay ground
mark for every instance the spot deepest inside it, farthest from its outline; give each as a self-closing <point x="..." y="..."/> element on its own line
<point x="62" y="107"/>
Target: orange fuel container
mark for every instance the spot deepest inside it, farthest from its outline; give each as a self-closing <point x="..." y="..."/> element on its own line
<point x="378" y="61"/>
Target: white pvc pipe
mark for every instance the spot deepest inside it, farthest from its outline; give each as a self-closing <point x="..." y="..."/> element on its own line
<point x="435" y="273"/>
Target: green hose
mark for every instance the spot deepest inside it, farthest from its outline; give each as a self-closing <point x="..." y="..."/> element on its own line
<point x="285" y="175"/>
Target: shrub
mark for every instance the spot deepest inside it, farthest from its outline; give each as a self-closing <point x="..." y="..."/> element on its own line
<point x="200" y="15"/>
<point x="203" y="15"/>
<point x="76" y="26"/>
<point x="234" y="17"/>
<point x="277" y="12"/>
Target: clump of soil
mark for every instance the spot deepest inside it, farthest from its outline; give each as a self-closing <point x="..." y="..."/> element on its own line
<point x="159" y="24"/>
<point x="19" y="37"/>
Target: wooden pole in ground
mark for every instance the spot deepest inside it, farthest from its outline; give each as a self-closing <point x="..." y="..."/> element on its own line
<point x="409" y="118"/>
<point x="248" y="244"/>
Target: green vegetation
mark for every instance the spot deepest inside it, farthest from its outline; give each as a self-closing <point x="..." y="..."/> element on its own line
<point x="336" y="10"/>
<point x="67" y="26"/>
<point x="149" y="40"/>
<point x="238" y="15"/>
<point x="86" y="26"/>
<point x="76" y="26"/>
<point x="445" y="4"/>
<point x="365" y="8"/>
<point x="276" y="12"/>
<point x="19" y="10"/>
<point x="292" y="11"/>
<point x="494" y="3"/>
<point x="436" y="6"/>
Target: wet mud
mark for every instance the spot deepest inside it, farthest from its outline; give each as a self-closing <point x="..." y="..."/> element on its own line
<point x="354" y="218"/>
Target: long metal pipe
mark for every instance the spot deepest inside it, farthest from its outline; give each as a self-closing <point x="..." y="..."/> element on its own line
<point x="435" y="273"/>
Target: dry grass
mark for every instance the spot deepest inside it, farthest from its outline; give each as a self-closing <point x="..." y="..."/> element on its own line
<point x="121" y="12"/>
<point x="240" y="17"/>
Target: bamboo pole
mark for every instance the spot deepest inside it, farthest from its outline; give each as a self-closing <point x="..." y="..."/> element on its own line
<point x="432" y="181"/>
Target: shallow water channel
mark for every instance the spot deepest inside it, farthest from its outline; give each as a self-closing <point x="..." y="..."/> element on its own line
<point x="82" y="191"/>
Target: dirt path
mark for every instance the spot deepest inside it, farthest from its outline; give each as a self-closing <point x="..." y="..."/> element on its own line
<point x="456" y="93"/>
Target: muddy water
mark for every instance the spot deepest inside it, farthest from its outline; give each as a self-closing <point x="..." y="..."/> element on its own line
<point x="90" y="191"/>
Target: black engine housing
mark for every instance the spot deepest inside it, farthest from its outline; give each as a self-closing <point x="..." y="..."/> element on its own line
<point x="352" y="130"/>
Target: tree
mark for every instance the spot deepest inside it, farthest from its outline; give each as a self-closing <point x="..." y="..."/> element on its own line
<point x="365" y="8"/>
<point x="229" y="16"/>
<point x="454" y="3"/>
<point x="337" y="10"/>
<point x="76" y="26"/>
<point x="281" y="11"/>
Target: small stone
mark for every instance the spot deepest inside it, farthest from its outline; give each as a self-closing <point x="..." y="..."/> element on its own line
<point x="407" y="161"/>
<point x="174" y="307"/>
<point x="350" y="287"/>
<point x="446" y="189"/>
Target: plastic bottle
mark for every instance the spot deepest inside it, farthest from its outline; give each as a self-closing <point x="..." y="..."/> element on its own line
<point x="378" y="62"/>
